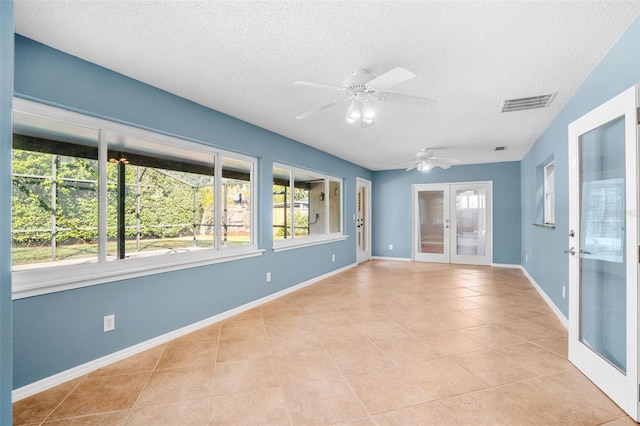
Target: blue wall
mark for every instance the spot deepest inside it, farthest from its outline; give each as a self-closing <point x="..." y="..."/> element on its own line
<point x="392" y="206"/>
<point x="548" y="265"/>
<point x="6" y="90"/>
<point x="55" y="332"/>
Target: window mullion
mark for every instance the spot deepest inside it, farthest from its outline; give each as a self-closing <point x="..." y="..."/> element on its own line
<point x="102" y="196"/>
<point x="292" y="203"/>
<point x="217" y="200"/>
<point x="327" y="202"/>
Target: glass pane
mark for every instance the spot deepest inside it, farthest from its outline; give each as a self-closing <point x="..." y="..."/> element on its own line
<point x="431" y="212"/>
<point x="602" y="242"/>
<point x="55" y="193"/>
<point x="157" y="202"/>
<point x="236" y="199"/>
<point x="281" y="204"/>
<point x="471" y="221"/>
<point x="335" y="213"/>
<point x="309" y="217"/>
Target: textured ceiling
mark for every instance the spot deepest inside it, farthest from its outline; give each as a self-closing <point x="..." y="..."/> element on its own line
<point x="241" y="58"/>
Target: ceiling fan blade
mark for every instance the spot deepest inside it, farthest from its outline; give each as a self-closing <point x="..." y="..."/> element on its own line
<point x="391" y="78"/>
<point x="393" y="96"/>
<point x="320" y="85"/>
<point x="447" y="160"/>
<point x="413" y="166"/>
<point x="317" y="110"/>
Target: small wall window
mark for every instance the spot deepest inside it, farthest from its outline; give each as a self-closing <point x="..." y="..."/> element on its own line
<point x="307" y="206"/>
<point x="549" y="194"/>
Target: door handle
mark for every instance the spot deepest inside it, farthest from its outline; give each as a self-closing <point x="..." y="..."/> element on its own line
<point x="571" y="251"/>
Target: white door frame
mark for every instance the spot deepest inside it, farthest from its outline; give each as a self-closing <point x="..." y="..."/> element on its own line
<point x="363" y="224"/>
<point x="621" y="388"/>
<point x="449" y="224"/>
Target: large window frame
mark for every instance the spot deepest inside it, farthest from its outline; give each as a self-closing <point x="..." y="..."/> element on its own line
<point x="328" y="194"/>
<point x="32" y="282"/>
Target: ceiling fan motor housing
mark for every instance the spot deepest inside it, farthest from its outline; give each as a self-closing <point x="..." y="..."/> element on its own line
<point x="357" y="81"/>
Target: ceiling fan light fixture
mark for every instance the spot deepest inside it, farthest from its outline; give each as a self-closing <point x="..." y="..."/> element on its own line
<point x="354" y="111"/>
<point x="368" y="112"/>
<point x="424" y="166"/>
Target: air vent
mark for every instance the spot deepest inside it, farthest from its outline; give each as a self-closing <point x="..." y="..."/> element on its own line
<point x="500" y="148"/>
<point x="531" y="102"/>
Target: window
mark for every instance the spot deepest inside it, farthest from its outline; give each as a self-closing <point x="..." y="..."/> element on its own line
<point x="549" y="194"/>
<point x="307" y="207"/>
<point x="105" y="200"/>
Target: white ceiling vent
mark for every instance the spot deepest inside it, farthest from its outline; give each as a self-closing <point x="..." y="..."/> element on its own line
<point x="531" y="102"/>
<point x="500" y="148"/>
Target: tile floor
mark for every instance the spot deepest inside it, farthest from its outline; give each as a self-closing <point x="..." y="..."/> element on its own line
<point x="386" y="343"/>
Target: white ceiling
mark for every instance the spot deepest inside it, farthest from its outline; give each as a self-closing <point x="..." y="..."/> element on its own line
<point x="241" y="58"/>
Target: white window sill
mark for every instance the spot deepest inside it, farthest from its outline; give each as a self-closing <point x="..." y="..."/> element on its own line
<point x="53" y="279"/>
<point x="294" y="243"/>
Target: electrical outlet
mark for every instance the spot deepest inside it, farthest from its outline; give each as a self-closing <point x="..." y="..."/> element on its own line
<point x="564" y="292"/>
<point x="333" y="257"/>
<point x="268" y="277"/>
<point x="109" y="323"/>
<point x="390" y="247"/>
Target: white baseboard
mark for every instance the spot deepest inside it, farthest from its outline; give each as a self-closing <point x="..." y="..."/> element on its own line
<point x="400" y="259"/>
<point x="547" y="299"/>
<point x="81" y="370"/>
<point x="506" y="265"/>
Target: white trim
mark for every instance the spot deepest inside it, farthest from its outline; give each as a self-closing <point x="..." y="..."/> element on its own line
<point x="400" y="259"/>
<point x="546" y="298"/>
<point x="506" y="265"/>
<point x="43" y="281"/>
<point x="294" y="243"/>
<point x="86" y="368"/>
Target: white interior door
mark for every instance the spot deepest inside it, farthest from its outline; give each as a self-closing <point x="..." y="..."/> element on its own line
<point x="452" y="223"/>
<point x="603" y="248"/>
<point x="431" y="223"/>
<point x="363" y="220"/>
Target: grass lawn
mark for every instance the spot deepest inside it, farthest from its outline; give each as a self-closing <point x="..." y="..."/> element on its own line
<point x="23" y="255"/>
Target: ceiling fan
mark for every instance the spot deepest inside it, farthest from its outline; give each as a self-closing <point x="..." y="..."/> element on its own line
<point x="361" y="88"/>
<point x="427" y="160"/>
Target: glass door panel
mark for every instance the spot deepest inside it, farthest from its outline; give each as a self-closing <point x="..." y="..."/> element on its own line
<point x="602" y="270"/>
<point x="471" y="226"/>
<point x="431" y="233"/>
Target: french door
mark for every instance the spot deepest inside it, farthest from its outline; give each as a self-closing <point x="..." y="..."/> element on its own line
<point x="603" y="248"/>
<point x="452" y="223"/>
<point x="363" y="220"/>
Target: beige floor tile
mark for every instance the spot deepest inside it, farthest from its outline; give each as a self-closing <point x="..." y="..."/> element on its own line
<point x="328" y="320"/>
<point x="408" y="350"/>
<point x="184" y="413"/>
<point x="238" y="350"/>
<point x="246" y="329"/>
<point x="37" y="408"/>
<point x="550" y="321"/>
<point x="527" y="330"/>
<point x="452" y="342"/>
<point x="179" y="384"/>
<point x="286" y="325"/>
<point x="283" y="307"/>
<point x="429" y="413"/>
<point x="140" y="363"/>
<point x="623" y="421"/>
<point x="322" y="402"/>
<point x="382" y="330"/>
<point x="336" y="337"/>
<point x="491" y="336"/>
<point x="486" y="408"/>
<point x="535" y="358"/>
<point x="294" y="342"/>
<point x="188" y="355"/>
<point x="305" y="366"/>
<point x="211" y="332"/>
<point x="548" y="402"/>
<point x="490" y="315"/>
<point x="258" y="407"/>
<point x="456" y="320"/>
<point x="493" y="367"/>
<point x="114" y="418"/>
<point x="246" y="375"/>
<point x="365" y="421"/>
<point x="444" y="377"/>
<point x="387" y="389"/>
<point x="359" y="358"/>
<point x="102" y="394"/>
<point x="558" y="345"/>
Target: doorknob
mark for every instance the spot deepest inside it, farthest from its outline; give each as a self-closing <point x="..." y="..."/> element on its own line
<point x="571" y="251"/>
